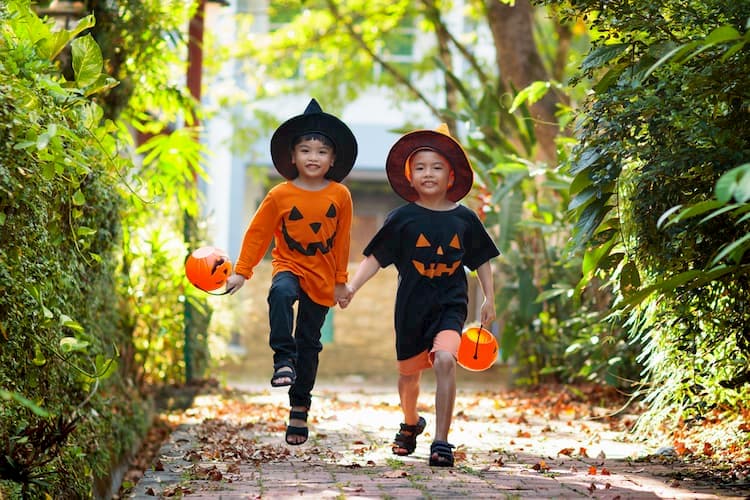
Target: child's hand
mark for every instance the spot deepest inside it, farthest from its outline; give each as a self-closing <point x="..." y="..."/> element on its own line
<point x="344" y="295"/>
<point x="234" y="283"/>
<point x="487" y="313"/>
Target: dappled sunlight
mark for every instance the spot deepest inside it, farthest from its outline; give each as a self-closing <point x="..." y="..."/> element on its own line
<point x="548" y="443"/>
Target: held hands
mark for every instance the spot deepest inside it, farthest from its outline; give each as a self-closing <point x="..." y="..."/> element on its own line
<point x="344" y="293"/>
<point x="234" y="283"/>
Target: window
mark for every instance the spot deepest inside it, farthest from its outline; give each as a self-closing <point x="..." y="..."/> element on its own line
<point x="399" y="46"/>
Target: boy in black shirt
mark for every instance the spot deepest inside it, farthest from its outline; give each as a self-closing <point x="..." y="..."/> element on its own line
<point x="429" y="240"/>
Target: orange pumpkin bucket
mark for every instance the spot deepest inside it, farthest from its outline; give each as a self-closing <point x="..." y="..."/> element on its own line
<point x="208" y="268"/>
<point x="478" y="349"/>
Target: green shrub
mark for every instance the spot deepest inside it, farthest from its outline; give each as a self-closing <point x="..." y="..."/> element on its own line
<point x="667" y="117"/>
<point x="66" y="410"/>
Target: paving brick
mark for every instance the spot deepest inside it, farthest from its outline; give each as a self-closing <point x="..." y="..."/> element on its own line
<point x="348" y="457"/>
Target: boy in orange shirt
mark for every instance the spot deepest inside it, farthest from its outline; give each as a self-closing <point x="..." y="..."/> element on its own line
<point x="430" y="240"/>
<point x="309" y="219"/>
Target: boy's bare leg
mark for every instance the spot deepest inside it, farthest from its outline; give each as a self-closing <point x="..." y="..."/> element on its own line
<point x="444" y="365"/>
<point x="408" y="392"/>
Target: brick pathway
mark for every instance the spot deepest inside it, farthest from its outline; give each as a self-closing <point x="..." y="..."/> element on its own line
<point x="500" y="454"/>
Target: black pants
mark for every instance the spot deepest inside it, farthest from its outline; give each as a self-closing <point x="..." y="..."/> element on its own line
<point x="303" y="348"/>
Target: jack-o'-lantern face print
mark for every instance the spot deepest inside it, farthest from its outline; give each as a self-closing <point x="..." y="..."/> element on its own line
<point x="305" y="233"/>
<point x="435" y="259"/>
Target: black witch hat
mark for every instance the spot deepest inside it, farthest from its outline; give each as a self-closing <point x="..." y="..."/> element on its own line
<point x="314" y="120"/>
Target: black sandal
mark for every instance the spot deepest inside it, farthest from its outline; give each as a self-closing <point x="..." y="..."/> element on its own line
<point x="441" y="454"/>
<point x="408" y="442"/>
<point x="294" y="430"/>
<point x="279" y="374"/>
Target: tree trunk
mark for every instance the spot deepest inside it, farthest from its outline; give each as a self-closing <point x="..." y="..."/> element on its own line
<point x="520" y="65"/>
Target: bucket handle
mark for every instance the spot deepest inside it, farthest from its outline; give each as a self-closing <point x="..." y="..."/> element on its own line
<point x="476" y="347"/>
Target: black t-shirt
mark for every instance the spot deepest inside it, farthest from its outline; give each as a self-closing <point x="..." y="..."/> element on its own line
<point x="430" y="249"/>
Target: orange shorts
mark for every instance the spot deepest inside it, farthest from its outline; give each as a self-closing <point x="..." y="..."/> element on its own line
<point x="446" y="340"/>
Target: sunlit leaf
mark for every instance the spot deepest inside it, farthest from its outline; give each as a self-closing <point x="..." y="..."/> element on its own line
<point x="87" y="61"/>
<point x="70" y="344"/>
<point x="602" y="55"/>
<point x="630" y="279"/>
<point x="38" y="410"/>
<point x="530" y="95"/>
<point x="734" y="250"/>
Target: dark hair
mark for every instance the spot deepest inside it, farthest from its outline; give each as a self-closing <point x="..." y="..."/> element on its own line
<point x="314" y="136"/>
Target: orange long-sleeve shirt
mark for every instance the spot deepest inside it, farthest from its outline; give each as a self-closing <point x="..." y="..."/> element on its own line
<point x="311" y="231"/>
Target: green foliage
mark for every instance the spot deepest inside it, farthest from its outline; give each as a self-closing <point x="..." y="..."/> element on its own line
<point x="548" y="330"/>
<point x="154" y="251"/>
<point x="78" y="300"/>
<point x="667" y="119"/>
<point x="59" y="224"/>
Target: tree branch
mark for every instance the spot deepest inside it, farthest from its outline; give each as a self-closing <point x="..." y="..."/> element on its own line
<point x="333" y="8"/>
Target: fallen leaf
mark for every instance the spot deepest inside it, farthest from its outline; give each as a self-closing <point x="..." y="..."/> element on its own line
<point x="395" y="473"/>
<point x="708" y="450"/>
<point x="541" y="466"/>
<point x="682" y="449"/>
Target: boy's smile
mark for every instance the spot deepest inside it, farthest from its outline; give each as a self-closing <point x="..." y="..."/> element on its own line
<point x="313" y="159"/>
<point x="430" y="173"/>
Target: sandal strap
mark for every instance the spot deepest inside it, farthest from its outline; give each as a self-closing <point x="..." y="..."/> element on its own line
<point x="284" y="362"/>
<point x="294" y="430"/>
<point x="441" y="447"/>
<point x="444" y="452"/>
<point x="290" y="373"/>
<point x="415" y="428"/>
<point x="298" y="415"/>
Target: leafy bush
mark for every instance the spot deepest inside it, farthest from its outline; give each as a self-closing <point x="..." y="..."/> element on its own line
<point x="67" y="411"/>
<point x="668" y="116"/>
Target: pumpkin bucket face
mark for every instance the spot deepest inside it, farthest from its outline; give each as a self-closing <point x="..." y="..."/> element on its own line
<point x="478" y="349"/>
<point x="208" y="268"/>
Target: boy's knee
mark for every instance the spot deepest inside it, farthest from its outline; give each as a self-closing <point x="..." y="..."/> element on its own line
<point x="282" y="289"/>
<point x="443" y="361"/>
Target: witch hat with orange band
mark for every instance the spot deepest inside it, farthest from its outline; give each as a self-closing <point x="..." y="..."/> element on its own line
<point x="438" y="140"/>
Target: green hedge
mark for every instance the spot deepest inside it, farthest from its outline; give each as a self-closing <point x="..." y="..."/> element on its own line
<point x="66" y="410"/>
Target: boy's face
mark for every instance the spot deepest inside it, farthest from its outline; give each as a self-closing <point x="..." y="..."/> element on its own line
<point x="431" y="175"/>
<point x="313" y="159"/>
